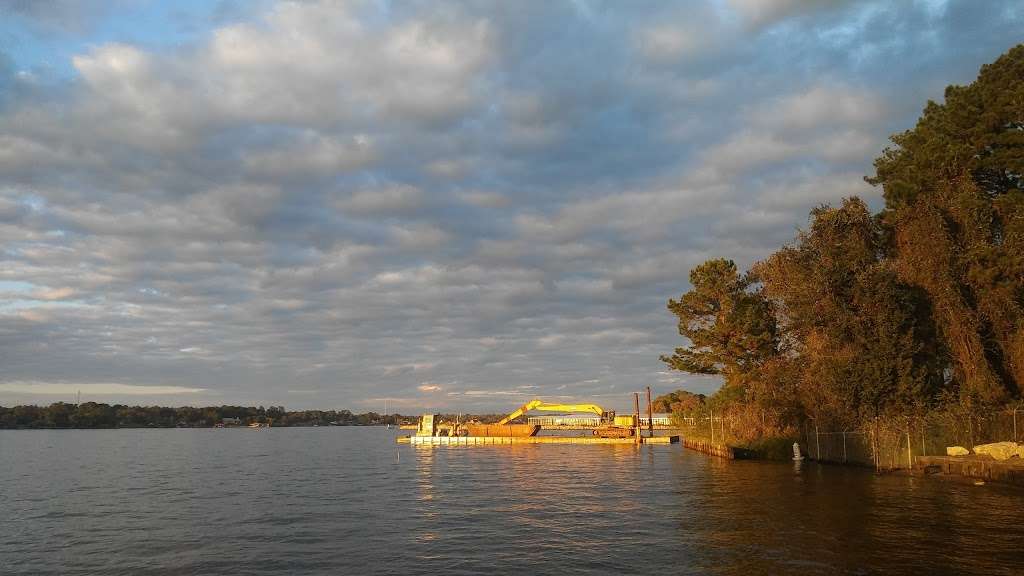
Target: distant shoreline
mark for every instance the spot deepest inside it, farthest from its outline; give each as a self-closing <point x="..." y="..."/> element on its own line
<point x="246" y="427"/>
<point x="95" y="415"/>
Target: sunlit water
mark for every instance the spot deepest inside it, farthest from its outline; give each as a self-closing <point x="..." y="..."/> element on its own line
<point x="351" y="501"/>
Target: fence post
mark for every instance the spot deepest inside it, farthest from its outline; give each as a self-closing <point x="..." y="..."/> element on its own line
<point x="874" y="451"/>
<point x="817" y="444"/>
<point x="970" y="428"/>
<point x="910" y="458"/>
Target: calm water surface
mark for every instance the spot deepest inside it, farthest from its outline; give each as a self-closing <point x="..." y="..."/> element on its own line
<point x="350" y="501"/>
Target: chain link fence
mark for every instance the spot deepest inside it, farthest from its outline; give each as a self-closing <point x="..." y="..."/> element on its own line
<point x="894" y="443"/>
<point x="886" y="444"/>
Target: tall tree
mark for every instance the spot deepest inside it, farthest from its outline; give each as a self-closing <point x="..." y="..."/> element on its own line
<point x="730" y="326"/>
<point x="851" y="331"/>
<point x="954" y="191"/>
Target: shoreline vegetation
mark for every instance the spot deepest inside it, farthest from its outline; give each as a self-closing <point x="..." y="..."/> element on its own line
<point x="86" y="415"/>
<point x="97" y="415"/>
<point x="873" y="337"/>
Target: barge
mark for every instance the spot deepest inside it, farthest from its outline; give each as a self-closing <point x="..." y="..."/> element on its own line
<point x="498" y="440"/>
<point x="609" y="429"/>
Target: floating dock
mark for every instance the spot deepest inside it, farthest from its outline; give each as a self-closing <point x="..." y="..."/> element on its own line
<point x="486" y="440"/>
<point x="591" y="427"/>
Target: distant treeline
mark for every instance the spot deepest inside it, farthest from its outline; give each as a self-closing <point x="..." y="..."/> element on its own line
<point x="892" y="315"/>
<point x="96" y="415"/>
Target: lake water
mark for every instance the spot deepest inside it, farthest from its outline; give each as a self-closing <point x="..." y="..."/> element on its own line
<point x="351" y="501"/>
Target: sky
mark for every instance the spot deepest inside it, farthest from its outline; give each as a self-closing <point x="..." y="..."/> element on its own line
<point x="426" y="206"/>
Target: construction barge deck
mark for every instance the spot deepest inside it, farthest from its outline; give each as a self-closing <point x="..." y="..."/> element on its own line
<point x="485" y="440"/>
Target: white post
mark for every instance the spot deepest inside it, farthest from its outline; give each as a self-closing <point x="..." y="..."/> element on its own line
<point x="817" y="444"/>
<point x="844" y="446"/>
<point x="712" y="422"/>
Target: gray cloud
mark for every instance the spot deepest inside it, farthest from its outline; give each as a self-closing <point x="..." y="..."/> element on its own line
<point x="450" y="207"/>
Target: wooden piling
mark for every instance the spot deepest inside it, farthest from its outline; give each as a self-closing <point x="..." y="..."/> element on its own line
<point x="650" y="414"/>
<point x="636" y="418"/>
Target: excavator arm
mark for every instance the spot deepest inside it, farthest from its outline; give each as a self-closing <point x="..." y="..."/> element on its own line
<point x="537" y="404"/>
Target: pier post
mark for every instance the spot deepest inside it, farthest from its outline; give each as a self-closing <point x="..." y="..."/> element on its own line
<point x="817" y="444"/>
<point x="650" y="414"/>
<point x="636" y="416"/>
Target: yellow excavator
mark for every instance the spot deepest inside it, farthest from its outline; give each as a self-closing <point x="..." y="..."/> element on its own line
<point x="609" y="425"/>
<point x="537" y="404"/>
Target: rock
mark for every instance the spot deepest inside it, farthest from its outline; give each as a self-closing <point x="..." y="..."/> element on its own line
<point x="956" y="451"/>
<point x="998" y="450"/>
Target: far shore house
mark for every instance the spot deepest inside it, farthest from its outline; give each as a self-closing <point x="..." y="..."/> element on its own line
<point x="232" y="422"/>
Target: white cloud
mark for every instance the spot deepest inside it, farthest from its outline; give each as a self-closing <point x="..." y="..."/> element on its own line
<point x="62" y="293"/>
<point x="312" y="152"/>
<point x="821" y="106"/>
<point x="385" y="201"/>
<point x="671" y="41"/>
<point x="763" y="12"/>
<point x="93" y="389"/>
<point x="485" y="199"/>
<point x="409" y="368"/>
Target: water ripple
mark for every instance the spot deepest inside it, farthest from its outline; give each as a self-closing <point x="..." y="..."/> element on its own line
<point x="347" y="500"/>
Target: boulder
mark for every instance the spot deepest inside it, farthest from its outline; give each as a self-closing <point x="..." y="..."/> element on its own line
<point x="998" y="450"/>
<point x="956" y="451"/>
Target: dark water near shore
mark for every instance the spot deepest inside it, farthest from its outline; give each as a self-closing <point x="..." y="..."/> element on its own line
<point x="350" y="501"/>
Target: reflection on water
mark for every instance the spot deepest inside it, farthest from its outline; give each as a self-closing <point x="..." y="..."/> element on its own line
<point x="342" y="501"/>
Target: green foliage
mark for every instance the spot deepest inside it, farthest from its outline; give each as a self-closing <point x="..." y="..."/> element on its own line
<point x="771" y="447"/>
<point x="883" y="316"/>
<point x="863" y="341"/>
<point x="977" y="133"/>
<point x="730" y="328"/>
<point x="96" y="415"/>
<point x="680" y="402"/>
<point x="725" y="398"/>
<point x="954" y="190"/>
<point x="848" y="340"/>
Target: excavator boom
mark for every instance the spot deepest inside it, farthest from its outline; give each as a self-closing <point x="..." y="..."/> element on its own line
<point x="537" y="404"/>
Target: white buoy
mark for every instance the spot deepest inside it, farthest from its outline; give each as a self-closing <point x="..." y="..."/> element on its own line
<point x="796" y="452"/>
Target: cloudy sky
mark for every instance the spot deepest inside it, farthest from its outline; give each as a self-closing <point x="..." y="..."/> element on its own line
<point x="450" y="205"/>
